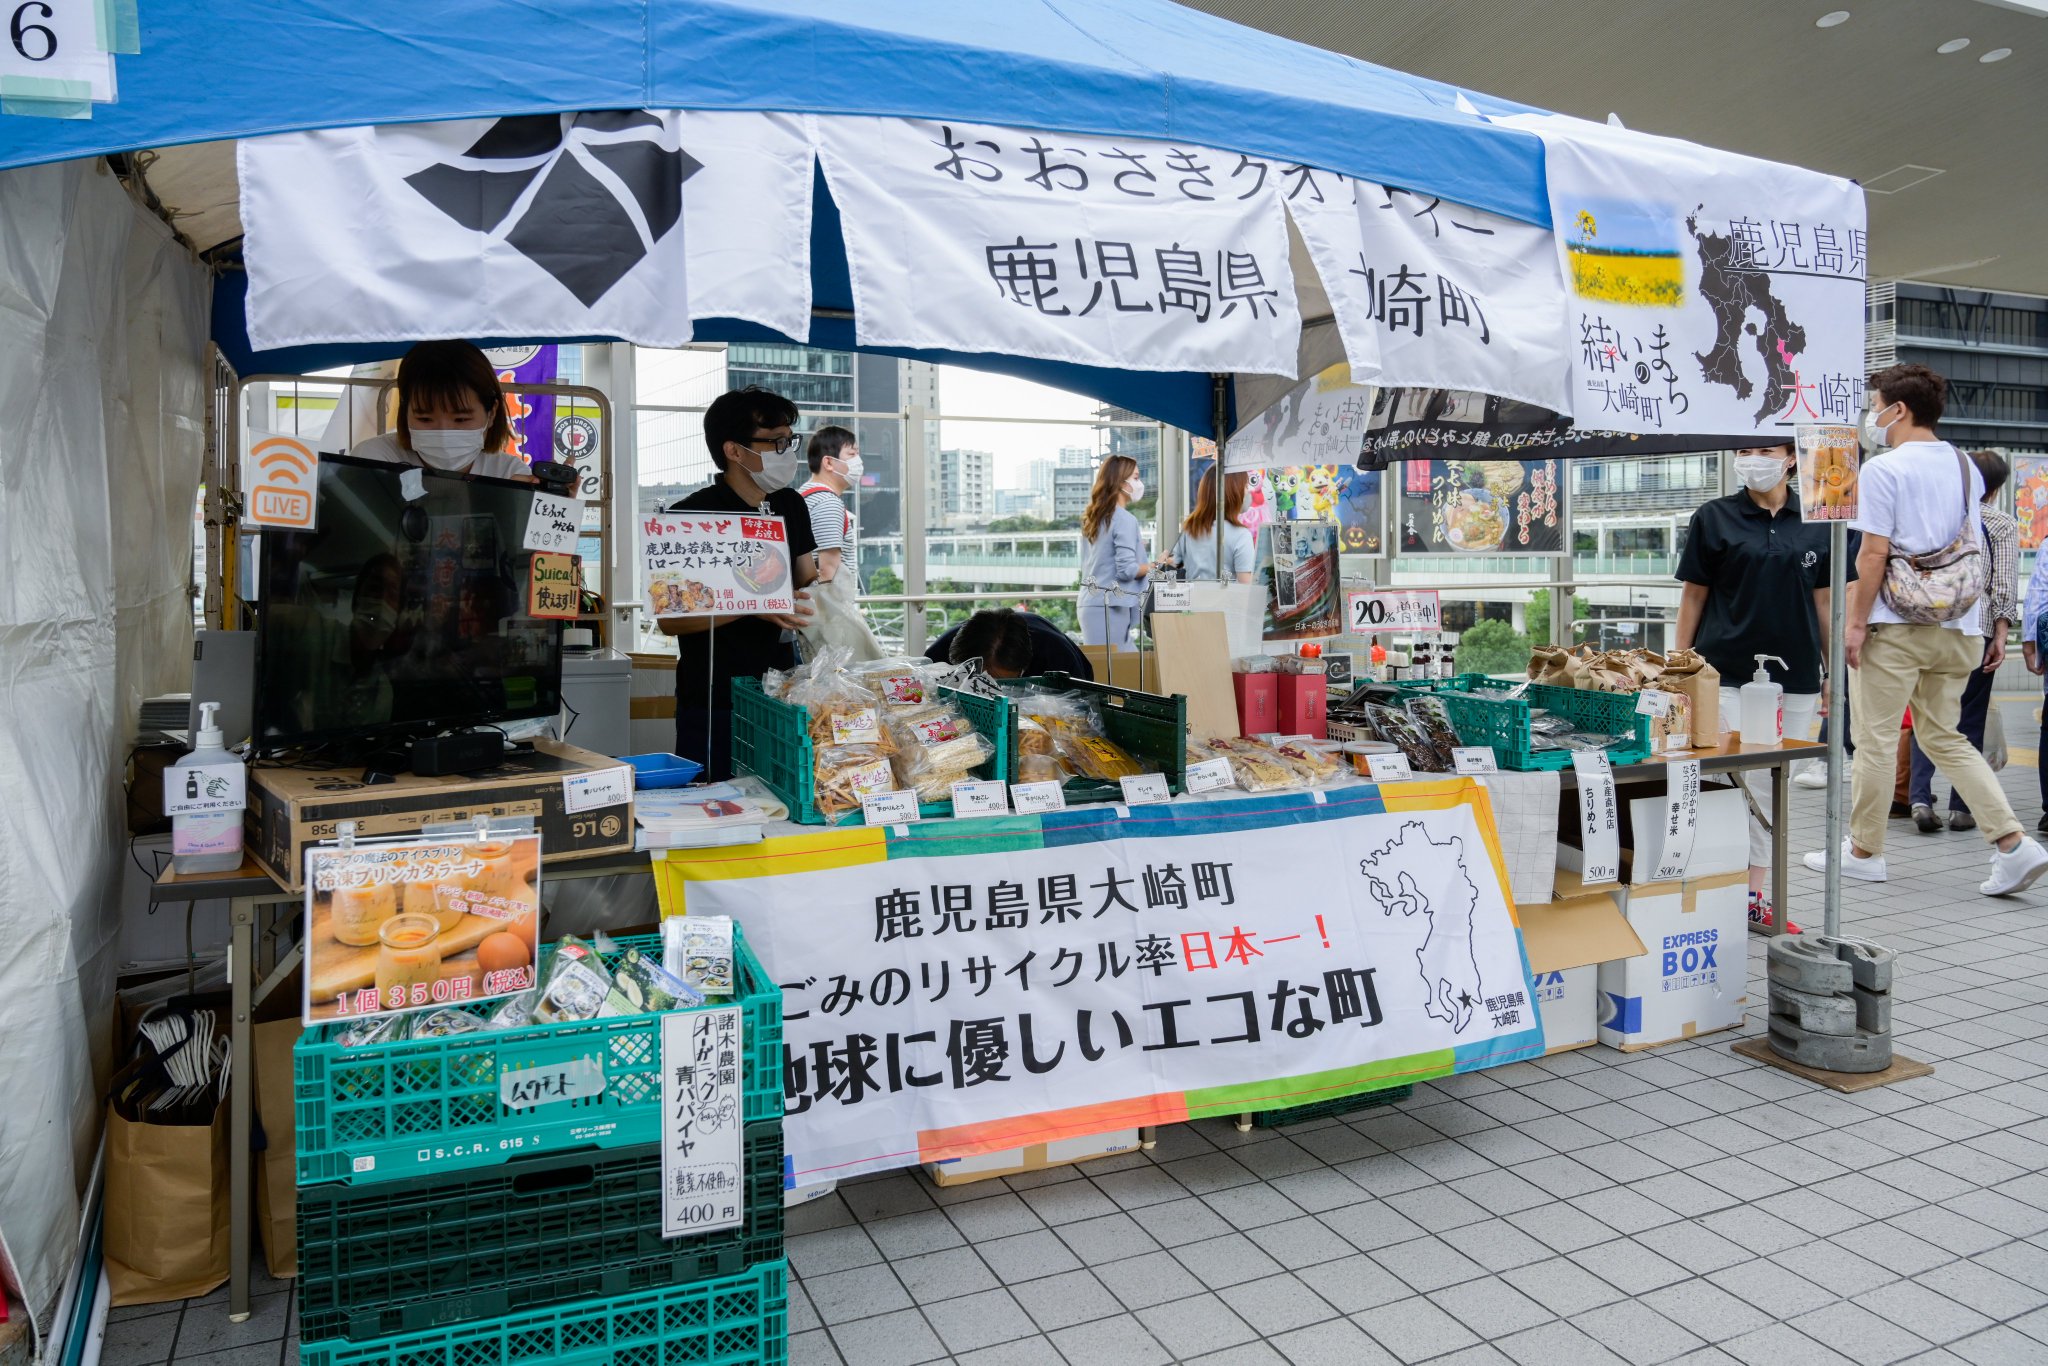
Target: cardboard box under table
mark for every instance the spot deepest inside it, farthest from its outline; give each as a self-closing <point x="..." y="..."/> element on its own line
<point x="1693" y="976"/>
<point x="1567" y="941"/>
<point x="291" y="809"/>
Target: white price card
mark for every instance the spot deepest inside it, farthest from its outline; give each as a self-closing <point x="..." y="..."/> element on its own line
<point x="1681" y="819"/>
<point x="1032" y="799"/>
<point x="1173" y="595"/>
<point x="206" y="789"/>
<point x="889" y="808"/>
<point x="981" y="797"/>
<point x="1650" y="702"/>
<point x="589" y="791"/>
<point x="1210" y="774"/>
<point x="1145" y="788"/>
<point x="554" y="523"/>
<point x="1398" y="609"/>
<point x="703" y="1171"/>
<point x="1599" y="817"/>
<point x="1474" y="759"/>
<point x="1389" y="768"/>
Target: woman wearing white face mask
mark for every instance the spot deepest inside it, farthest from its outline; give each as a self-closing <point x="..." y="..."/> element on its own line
<point x="1756" y="582"/>
<point x="451" y="415"/>
<point x="1113" y="566"/>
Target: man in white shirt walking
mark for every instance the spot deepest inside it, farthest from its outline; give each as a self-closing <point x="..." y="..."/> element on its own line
<point x="1915" y="498"/>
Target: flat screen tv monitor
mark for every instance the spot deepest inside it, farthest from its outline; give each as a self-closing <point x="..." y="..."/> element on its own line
<point x="399" y="618"/>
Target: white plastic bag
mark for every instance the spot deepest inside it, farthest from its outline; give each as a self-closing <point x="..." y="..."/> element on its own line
<point x="838" y="621"/>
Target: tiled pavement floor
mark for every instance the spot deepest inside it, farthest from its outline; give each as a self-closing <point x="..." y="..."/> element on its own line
<point x="1679" y="1204"/>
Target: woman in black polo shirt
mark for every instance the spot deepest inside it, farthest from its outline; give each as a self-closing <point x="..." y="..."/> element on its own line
<point x="1756" y="582"/>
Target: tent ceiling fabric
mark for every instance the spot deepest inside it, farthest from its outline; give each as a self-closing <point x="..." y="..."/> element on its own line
<point x="1756" y="76"/>
<point x="213" y="70"/>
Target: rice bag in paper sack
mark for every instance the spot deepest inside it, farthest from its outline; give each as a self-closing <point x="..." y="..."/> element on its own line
<point x="1686" y="672"/>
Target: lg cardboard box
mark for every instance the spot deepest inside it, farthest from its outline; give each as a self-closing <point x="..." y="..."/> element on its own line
<point x="292" y="808"/>
<point x="959" y="1171"/>
<point x="1693" y="975"/>
<point x="1566" y="942"/>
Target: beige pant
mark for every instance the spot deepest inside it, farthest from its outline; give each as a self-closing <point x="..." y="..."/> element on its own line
<point x="1924" y="667"/>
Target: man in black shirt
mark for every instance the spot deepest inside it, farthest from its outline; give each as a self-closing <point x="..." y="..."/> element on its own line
<point x="1756" y="582"/>
<point x="748" y="434"/>
<point x="1011" y="644"/>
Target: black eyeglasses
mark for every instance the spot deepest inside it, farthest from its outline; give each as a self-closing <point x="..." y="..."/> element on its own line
<point x="782" y="444"/>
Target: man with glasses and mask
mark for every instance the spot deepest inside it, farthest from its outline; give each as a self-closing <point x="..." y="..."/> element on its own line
<point x="1756" y="582"/>
<point x="748" y="434"/>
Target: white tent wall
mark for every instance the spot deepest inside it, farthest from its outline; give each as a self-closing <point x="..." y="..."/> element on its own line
<point x="103" y="392"/>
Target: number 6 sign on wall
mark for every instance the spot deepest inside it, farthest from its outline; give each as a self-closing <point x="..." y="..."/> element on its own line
<point x="52" y="57"/>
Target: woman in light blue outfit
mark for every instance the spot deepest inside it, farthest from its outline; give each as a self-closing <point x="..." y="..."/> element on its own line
<point x="1113" y="565"/>
<point x="1195" y="551"/>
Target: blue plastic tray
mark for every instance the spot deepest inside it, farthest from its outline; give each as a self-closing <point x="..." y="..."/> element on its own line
<point x="663" y="770"/>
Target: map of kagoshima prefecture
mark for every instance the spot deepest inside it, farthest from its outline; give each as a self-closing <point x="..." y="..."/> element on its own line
<point x="1732" y="283"/>
<point x="1397" y="872"/>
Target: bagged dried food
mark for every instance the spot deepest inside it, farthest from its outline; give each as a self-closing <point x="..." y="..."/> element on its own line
<point x="843" y="774"/>
<point x="897" y="682"/>
<point x="698" y="950"/>
<point x="1257" y="768"/>
<point x="650" y="986"/>
<point x="1317" y="765"/>
<point x="1399" y="730"/>
<point x="577" y="986"/>
<point x="1434" y="717"/>
<point x="1041" y="768"/>
<point x="446" y="1022"/>
<point x="935" y="748"/>
<point x="380" y="1029"/>
<point x="514" y="1012"/>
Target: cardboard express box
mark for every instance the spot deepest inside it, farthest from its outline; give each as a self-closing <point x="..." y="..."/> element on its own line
<point x="291" y="809"/>
<point x="1693" y="975"/>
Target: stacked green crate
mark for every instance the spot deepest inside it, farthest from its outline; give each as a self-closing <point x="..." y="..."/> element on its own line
<point x="438" y="1224"/>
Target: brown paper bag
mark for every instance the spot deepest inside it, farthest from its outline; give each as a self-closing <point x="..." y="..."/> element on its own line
<point x="276" y="1172"/>
<point x="166" y="1229"/>
<point x="1557" y="666"/>
<point x="1686" y="672"/>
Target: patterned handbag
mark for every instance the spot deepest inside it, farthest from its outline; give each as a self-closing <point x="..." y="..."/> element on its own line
<point x="1941" y="585"/>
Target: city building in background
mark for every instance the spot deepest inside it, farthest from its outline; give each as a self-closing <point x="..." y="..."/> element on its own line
<point x="964" y="490"/>
<point x="1139" y="443"/>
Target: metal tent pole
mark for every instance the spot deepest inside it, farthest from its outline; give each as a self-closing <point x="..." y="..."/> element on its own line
<point x="1838" y="689"/>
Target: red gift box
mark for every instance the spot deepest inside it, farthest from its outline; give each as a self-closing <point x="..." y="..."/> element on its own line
<point x="1304" y="704"/>
<point x="1258" y="703"/>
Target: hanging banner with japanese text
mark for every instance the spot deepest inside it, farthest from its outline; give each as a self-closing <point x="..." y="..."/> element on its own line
<point x="610" y="223"/>
<point x="1437" y="294"/>
<point x="1099" y="251"/>
<point x="1426" y="424"/>
<point x="969" y="986"/>
<point x="1709" y="292"/>
<point x="1320" y="421"/>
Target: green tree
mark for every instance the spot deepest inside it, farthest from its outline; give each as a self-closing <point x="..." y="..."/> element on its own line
<point x="1493" y="647"/>
<point x="885" y="580"/>
<point x="1537" y="615"/>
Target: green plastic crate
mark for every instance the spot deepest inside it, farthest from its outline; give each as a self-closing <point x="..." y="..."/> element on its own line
<point x="1323" y="1109"/>
<point x="384" y="1112"/>
<point x="406" y="1256"/>
<point x="1505" y="724"/>
<point x="1150" y="728"/>
<point x="771" y="739"/>
<point x="738" y="1320"/>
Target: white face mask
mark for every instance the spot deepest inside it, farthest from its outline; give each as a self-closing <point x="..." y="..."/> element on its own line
<point x="1136" y="488"/>
<point x="852" y="468"/>
<point x="453" y="448"/>
<point x="1760" y="472"/>
<point x="1876" y="435"/>
<point x="777" y="468"/>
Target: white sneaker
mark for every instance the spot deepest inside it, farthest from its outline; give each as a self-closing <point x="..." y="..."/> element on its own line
<point x="1813" y="775"/>
<point x="1866" y="869"/>
<point x="2015" y="869"/>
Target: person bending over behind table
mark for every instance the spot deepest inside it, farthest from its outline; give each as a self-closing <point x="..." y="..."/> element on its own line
<point x="1011" y="644"/>
<point x="451" y="416"/>
<point x="748" y="434"/>
<point x="1113" y="566"/>
<point x="1195" y="551"/>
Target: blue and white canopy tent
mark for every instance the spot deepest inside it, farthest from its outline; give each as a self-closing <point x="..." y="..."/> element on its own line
<point x="106" y="376"/>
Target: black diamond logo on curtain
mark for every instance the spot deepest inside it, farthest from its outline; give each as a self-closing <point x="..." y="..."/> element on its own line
<point x="576" y="225"/>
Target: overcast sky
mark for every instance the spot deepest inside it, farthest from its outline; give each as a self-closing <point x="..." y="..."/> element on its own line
<point x="979" y="394"/>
